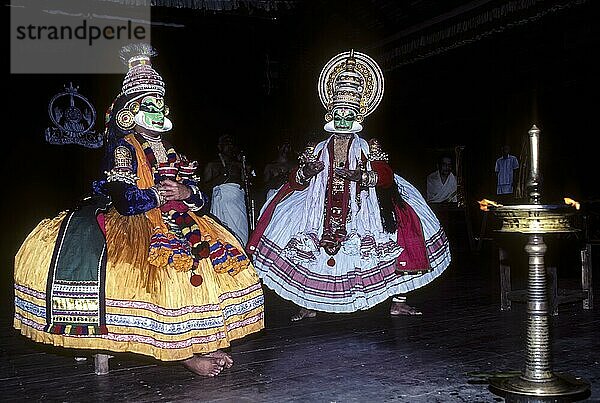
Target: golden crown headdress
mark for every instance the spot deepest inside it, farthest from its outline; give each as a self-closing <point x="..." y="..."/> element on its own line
<point x="353" y="80"/>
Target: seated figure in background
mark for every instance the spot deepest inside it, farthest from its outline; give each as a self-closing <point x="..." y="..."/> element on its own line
<point x="441" y="184"/>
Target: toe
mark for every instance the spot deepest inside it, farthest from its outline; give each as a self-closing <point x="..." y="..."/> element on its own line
<point x="216" y="371"/>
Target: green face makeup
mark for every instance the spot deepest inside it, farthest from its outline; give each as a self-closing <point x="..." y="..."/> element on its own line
<point x="153" y="109"/>
<point x="343" y="118"/>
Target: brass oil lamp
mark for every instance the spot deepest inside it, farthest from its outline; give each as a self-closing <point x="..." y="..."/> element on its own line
<point x="537" y="382"/>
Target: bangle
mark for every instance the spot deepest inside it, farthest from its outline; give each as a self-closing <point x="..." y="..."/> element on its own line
<point x="159" y="198"/>
<point x="399" y="299"/>
<point x="300" y="178"/>
<point x="369" y="178"/>
<point x="192" y="206"/>
<point x="126" y="176"/>
<point x="195" y="190"/>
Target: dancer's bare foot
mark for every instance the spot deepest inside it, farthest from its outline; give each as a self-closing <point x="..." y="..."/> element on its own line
<point x="223" y="355"/>
<point x="402" y="308"/>
<point x="205" y="365"/>
<point x="303" y="313"/>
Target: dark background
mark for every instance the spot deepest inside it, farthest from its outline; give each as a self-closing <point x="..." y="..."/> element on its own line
<point x="254" y="74"/>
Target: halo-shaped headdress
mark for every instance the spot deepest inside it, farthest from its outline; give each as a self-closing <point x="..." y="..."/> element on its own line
<point x="353" y="80"/>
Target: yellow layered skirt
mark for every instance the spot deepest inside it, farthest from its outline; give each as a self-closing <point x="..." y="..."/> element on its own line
<point x="150" y="311"/>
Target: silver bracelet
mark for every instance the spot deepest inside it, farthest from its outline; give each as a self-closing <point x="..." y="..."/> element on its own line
<point x="116" y="175"/>
<point x="159" y="198"/>
<point x="300" y="178"/>
<point x="192" y="206"/>
<point x="369" y="178"/>
<point x="195" y="190"/>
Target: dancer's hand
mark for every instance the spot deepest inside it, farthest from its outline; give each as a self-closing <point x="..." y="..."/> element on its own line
<point x="312" y="168"/>
<point x="172" y="190"/>
<point x="349" y="174"/>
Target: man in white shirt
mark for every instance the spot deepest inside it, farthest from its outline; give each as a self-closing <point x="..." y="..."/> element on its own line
<point x="441" y="184"/>
<point x="505" y="166"/>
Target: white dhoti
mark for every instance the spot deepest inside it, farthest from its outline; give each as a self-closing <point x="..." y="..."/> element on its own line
<point x="229" y="206"/>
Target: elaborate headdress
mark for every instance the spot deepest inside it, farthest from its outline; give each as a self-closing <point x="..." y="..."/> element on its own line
<point x="141" y="80"/>
<point x="351" y="80"/>
<point x="141" y="77"/>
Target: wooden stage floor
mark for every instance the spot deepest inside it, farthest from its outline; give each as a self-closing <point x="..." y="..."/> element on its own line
<point x="442" y="356"/>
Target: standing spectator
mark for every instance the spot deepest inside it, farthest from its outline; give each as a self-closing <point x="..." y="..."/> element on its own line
<point x="505" y="166"/>
<point x="224" y="177"/>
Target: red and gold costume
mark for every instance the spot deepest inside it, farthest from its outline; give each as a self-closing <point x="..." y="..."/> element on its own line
<point x="354" y="233"/>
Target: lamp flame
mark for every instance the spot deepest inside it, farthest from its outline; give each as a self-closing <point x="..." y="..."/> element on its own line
<point x="485" y="203"/>
<point x="572" y="202"/>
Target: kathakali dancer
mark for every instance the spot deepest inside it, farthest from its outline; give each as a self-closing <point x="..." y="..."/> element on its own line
<point x="137" y="267"/>
<point x="345" y="233"/>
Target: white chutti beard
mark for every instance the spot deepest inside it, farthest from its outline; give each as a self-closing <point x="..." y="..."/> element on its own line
<point x="139" y="119"/>
<point x="329" y="127"/>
